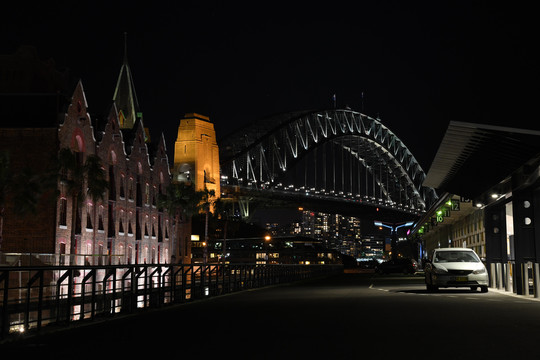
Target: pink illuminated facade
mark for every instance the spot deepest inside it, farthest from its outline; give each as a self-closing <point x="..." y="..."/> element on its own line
<point x="126" y="226"/>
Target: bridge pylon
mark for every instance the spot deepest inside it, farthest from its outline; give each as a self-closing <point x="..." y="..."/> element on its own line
<point x="196" y="153"/>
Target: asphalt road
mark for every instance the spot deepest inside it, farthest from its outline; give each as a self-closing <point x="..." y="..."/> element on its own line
<point x="351" y="316"/>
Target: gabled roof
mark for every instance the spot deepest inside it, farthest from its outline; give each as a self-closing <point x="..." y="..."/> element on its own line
<point x="474" y="157"/>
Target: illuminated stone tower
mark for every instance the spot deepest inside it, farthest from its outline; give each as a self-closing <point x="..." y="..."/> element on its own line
<point x="196" y="153"/>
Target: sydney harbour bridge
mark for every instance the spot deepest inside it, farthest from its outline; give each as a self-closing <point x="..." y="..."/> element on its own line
<point x="338" y="160"/>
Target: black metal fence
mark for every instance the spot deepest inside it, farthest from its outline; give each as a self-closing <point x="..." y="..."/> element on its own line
<point x="33" y="297"/>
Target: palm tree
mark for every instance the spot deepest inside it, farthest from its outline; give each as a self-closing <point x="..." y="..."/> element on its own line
<point x="26" y="189"/>
<point x="181" y="201"/>
<point x="207" y="202"/>
<point x="97" y="185"/>
<point x="73" y="175"/>
<point x="222" y="212"/>
<point x="71" y="178"/>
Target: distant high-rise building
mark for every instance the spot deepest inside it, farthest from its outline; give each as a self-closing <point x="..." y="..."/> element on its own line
<point x="336" y="231"/>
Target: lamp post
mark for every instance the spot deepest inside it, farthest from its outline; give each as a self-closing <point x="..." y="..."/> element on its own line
<point x="393" y="227"/>
<point x="267" y="239"/>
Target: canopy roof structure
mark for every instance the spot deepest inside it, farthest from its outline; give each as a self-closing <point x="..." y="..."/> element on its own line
<point x="475" y="157"/>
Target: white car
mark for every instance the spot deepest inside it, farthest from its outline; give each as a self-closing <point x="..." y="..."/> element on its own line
<point x="455" y="267"/>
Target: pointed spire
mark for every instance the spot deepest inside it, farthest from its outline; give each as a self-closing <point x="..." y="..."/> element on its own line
<point x="125" y="96"/>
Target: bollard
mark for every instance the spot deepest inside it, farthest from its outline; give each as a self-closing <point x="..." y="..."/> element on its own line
<point x="507" y="271"/>
<point x="525" y="272"/>
<point x="514" y="272"/>
<point x="493" y="276"/>
<point x="499" y="276"/>
<point x="536" y="280"/>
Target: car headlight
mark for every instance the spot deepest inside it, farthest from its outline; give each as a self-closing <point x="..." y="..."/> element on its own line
<point x="479" y="271"/>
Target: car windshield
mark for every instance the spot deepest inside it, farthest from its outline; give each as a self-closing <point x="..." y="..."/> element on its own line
<point x="455" y="256"/>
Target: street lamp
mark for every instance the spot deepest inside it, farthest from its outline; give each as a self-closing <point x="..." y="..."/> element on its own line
<point x="393" y="227"/>
<point x="205" y="252"/>
<point x="267" y="239"/>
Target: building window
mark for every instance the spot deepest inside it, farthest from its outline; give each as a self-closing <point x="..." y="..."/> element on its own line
<point x="110" y="221"/>
<point x="63" y="212"/>
<point x="62" y="254"/>
<point x="122" y="192"/>
<point x="138" y="232"/>
<point x="138" y="199"/>
<point x="160" y="231"/>
<point x="112" y="183"/>
<point x="89" y="217"/>
<point x="130" y="189"/>
<point x="101" y="228"/>
<point x="129" y="254"/>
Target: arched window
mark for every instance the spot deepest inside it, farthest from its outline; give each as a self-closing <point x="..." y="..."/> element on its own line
<point x="112" y="183"/>
<point x="79" y="142"/>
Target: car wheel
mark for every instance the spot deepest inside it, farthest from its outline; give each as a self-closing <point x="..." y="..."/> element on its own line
<point x="484" y="289"/>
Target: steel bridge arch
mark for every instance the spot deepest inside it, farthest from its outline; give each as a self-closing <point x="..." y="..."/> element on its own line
<point x="259" y="155"/>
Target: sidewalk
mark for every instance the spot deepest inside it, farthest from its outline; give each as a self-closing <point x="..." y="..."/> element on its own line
<point x="512" y="294"/>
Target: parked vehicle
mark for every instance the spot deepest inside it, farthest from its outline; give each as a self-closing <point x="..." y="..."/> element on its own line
<point x="368" y="264"/>
<point x="455" y="267"/>
<point x="401" y="265"/>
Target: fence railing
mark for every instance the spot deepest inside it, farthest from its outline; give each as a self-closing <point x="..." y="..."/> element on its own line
<point x="32" y="297"/>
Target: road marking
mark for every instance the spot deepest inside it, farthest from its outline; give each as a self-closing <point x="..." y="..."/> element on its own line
<point x="380" y="289"/>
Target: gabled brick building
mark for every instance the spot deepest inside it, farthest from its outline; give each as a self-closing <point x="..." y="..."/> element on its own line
<point x="126" y="226"/>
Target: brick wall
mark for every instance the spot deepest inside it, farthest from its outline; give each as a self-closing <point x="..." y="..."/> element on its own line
<point x="29" y="149"/>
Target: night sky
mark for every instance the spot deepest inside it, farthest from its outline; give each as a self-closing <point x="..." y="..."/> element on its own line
<point x="418" y="64"/>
